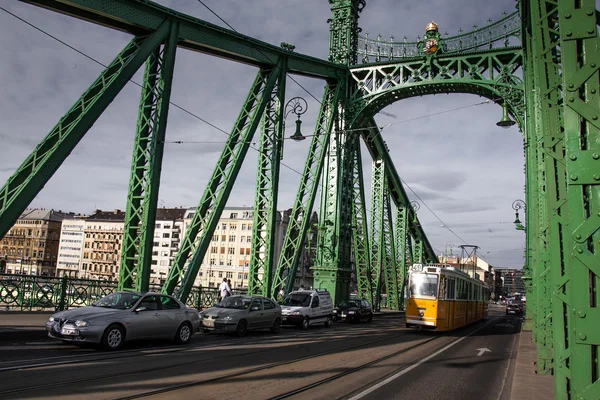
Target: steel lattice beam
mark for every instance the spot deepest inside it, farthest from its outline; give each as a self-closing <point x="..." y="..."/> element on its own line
<point x="307" y="191"/>
<point x="140" y="17"/>
<point x="146" y="166"/>
<point x="265" y="200"/>
<point x="22" y="187"/>
<point x="390" y="267"/>
<point x="401" y="236"/>
<point x="198" y="235"/>
<point x="378" y="182"/>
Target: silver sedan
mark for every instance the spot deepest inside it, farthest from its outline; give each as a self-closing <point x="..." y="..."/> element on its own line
<point x="238" y="314"/>
<point x="124" y="316"/>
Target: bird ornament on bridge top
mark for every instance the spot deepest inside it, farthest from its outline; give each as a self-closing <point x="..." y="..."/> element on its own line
<point x="432" y="41"/>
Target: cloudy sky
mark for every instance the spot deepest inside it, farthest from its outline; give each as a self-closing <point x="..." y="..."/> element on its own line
<point x="465" y="169"/>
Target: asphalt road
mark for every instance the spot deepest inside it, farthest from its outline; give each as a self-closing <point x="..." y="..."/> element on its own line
<point x="377" y="360"/>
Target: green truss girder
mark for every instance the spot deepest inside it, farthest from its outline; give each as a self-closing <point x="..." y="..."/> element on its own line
<point x="267" y="187"/>
<point x="206" y="217"/>
<point x="377" y="236"/>
<point x="22" y="187"/>
<point x="390" y="264"/>
<point x="580" y="82"/>
<point x="299" y="218"/>
<point x="141" y="16"/>
<point x="362" y="251"/>
<point x="489" y="74"/>
<point x="146" y="166"/>
<point x="400" y="241"/>
<point x="545" y="75"/>
<point x="417" y="249"/>
<point x="332" y="270"/>
<point x="373" y="140"/>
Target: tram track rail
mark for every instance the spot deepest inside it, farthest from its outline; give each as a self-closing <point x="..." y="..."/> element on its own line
<point x="51" y="385"/>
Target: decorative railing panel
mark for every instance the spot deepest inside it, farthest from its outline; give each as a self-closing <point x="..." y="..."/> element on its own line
<point x="39" y="293"/>
<point x="495" y="34"/>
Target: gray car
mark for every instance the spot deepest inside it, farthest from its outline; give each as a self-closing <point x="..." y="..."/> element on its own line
<point x="238" y="314"/>
<point x="124" y="316"/>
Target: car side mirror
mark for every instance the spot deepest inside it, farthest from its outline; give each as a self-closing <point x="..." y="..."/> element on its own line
<point x="140" y="309"/>
<point x="254" y="308"/>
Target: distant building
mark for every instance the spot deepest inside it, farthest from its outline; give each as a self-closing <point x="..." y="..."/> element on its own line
<point x="167" y="238"/>
<point x="31" y="246"/>
<point x="103" y="238"/>
<point x="512" y="282"/>
<point x="70" y="250"/>
<point x="475" y="267"/>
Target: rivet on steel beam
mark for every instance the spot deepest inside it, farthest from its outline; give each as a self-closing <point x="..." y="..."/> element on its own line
<point x="593" y="91"/>
<point x="589" y="12"/>
<point x="582" y="336"/>
<point x="569" y="33"/>
<point x="593" y="65"/>
<point x="594" y="117"/>
<point x="567" y="15"/>
<point x="573" y="157"/>
<point x="597" y="177"/>
<point x="579" y="250"/>
<point x="581" y="314"/>
<point x="574" y="177"/>
<point x="578" y="236"/>
<point x="590" y="31"/>
<point x="571" y="99"/>
<point x="571" y="85"/>
<point x="595" y="156"/>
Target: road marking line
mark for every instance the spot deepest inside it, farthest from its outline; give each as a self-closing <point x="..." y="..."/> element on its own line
<point x="408" y="369"/>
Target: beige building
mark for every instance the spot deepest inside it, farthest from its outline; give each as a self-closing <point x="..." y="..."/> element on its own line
<point x="103" y="237"/>
<point x="31" y="246"/>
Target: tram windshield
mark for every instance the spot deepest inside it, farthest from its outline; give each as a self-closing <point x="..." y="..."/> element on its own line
<point x="423" y="285"/>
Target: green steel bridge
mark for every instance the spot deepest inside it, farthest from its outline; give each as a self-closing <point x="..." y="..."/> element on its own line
<point x="540" y="64"/>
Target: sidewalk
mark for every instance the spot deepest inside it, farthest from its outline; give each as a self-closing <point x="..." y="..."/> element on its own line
<point x="23" y="325"/>
<point x="527" y="385"/>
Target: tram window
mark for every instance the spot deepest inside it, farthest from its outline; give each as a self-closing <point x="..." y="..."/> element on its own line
<point x="423" y="285"/>
<point x="453" y="289"/>
<point x="443" y="287"/>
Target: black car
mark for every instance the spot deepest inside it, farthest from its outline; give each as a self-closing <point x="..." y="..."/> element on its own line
<point x="353" y="310"/>
<point x="515" y="308"/>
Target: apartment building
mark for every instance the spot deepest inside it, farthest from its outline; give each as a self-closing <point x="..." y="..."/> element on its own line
<point x="167" y="238"/>
<point x="31" y="246"/>
<point x="71" y="244"/>
<point x="103" y="238"/>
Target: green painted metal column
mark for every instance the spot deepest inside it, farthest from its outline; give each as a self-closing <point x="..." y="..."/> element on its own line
<point x="199" y="233"/>
<point x="267" y="188"/>
<point x="580" y="80"/>
<point x="378" y="191"/>
<point x="401" y="237"/>
<point x="146" y="166"/>
<point x="307" y="191"/>
<point x="362" y="251"/>
<point x="22" y="187"/>
<point x="390" y="263"/>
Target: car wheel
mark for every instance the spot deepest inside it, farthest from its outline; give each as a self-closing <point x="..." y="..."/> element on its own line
<point x="184" y="333"/>
<point x="305" y="323"/>
<point x="241" y="329"/>
<point x="328" y="322"/>
<point x="276" y="325"/>
<point x="113" y="337"/>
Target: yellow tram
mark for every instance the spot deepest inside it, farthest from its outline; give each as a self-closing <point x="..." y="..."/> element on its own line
<point x="442" y="298"/>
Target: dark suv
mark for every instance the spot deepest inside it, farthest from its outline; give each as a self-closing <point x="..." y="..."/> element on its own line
<point x="515" y="308"/>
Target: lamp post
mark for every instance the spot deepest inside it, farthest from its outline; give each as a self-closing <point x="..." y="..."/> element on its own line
<point x="298" y="106"/>
<point x="517" y="205"/>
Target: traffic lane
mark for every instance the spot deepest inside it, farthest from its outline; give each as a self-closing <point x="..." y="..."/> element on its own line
<point x="466" y="370"/>
<point x="23" y="351"/>
<point x="150" y="369"/>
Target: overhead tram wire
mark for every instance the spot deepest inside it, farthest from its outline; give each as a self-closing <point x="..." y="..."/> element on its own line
<point x="223" y="131"/>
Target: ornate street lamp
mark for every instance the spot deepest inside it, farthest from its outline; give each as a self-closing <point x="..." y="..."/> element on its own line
<point x="505" y="122"/>
<point x="517" y="205"/>
<point x="298" y="106"/>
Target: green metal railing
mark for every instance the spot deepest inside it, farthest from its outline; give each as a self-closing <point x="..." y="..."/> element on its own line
<point x="39" y="293"/>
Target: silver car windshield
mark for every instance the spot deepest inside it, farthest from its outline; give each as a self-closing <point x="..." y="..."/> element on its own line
<point x="237" y="302"/>
<point x="298" y="300"/>
<point x="119" y="301"/>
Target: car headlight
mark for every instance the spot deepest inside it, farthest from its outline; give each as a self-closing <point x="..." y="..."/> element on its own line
<point x="51" y="319"/>
<point x="81" y="324"/>
<point x="335" y="311"/>
<point x="227" y="318"/>
<point x="351" y="312"/>
<point x="296" y="313"/>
